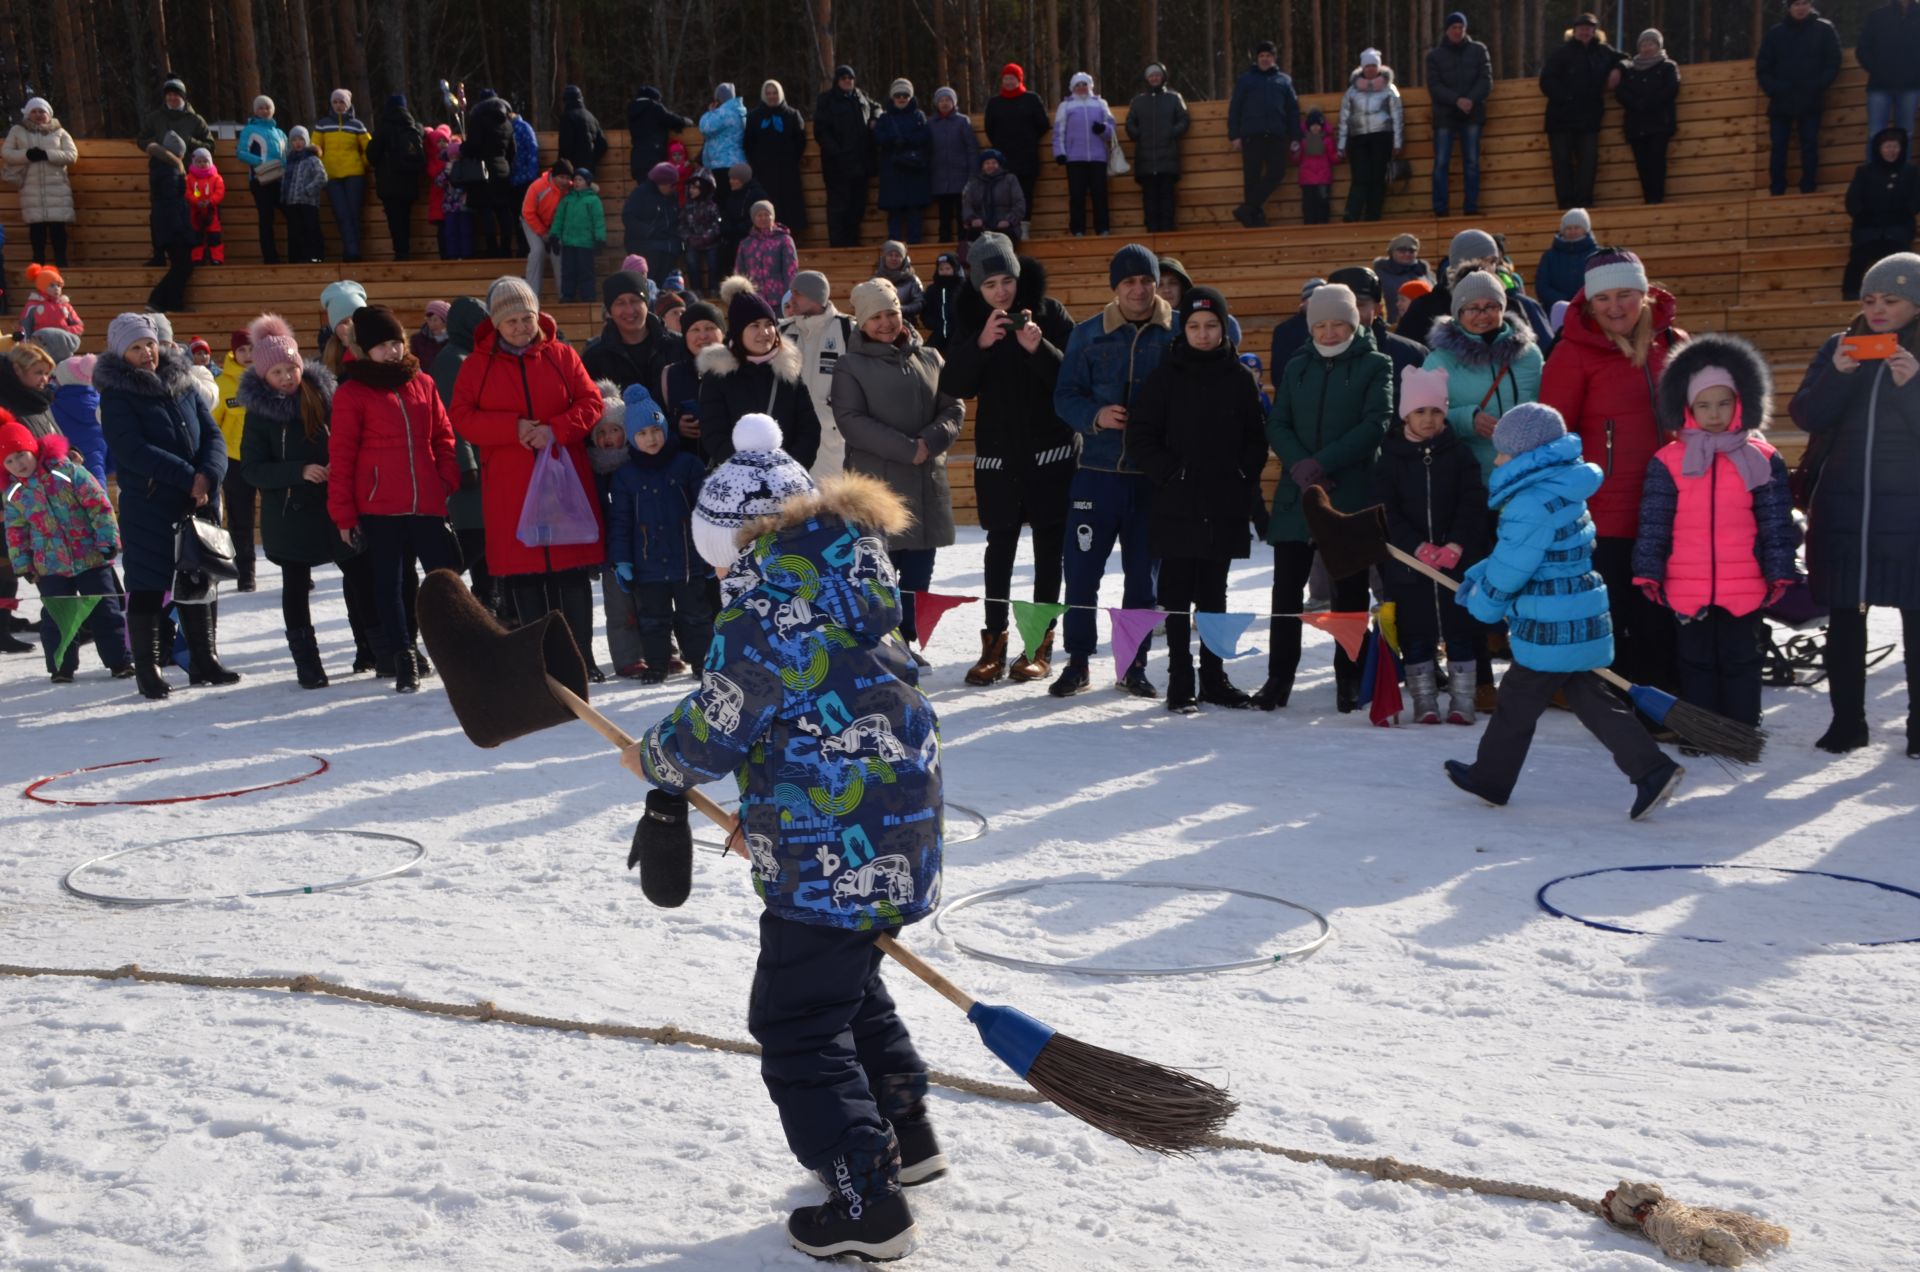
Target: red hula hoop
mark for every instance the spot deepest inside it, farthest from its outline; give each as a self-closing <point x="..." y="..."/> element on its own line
<point x="33" y="788"/>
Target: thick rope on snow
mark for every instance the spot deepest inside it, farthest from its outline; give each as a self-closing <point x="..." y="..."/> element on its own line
<point x="1687" y="1234"/>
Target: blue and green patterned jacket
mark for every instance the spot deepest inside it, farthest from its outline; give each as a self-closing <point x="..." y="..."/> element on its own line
<point x="818" y="715"/>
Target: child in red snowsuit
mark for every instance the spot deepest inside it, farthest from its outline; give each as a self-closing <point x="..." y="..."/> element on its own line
<point x="206" y="190"/>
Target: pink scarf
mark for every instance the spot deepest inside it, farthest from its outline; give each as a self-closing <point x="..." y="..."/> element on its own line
<point x="1701" y="448"/>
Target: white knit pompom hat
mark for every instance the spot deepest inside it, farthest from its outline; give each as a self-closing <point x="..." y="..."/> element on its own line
<point x="755" y="482"/>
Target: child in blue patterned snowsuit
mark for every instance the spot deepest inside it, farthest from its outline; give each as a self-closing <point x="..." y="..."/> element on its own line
<point x="1540" y="579"/>
<point x="837" y="755"/>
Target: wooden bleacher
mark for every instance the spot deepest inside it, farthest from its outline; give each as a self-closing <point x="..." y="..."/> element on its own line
<point x="1737" y="259"/>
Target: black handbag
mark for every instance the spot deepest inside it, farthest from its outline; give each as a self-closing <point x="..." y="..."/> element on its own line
<point x="203" y="548"/>
<point x="469" y="170"/>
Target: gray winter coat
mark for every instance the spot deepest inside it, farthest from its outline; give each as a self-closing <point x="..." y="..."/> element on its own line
<point x="1156" y="121"/>
<point x="955" y="152"/>
<point x="1363" y="112"/>
<point x="887" y="398"/>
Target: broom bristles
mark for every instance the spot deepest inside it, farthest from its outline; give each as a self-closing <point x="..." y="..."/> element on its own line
<point x="1148" y="1105"/>
<point x="1716" y="734"/>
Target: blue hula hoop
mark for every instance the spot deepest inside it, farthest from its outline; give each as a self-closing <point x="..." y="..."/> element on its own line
<point x="1558" y="913"/>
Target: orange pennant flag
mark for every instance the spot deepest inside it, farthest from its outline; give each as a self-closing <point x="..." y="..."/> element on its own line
<point x="1349" y="629"/>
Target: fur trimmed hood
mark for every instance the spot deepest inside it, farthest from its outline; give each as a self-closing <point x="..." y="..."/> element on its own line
<point x="172" y="378"/>
<point x="717" y="359"/>
<point x="1471" y="350"/>
<point x="261" y="399"/>
<point x="854" y="498"/>
<point x="1752" y="380"/>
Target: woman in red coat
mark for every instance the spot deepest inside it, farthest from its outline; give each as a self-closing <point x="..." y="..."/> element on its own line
<point x="392" y="466"/>
<point x="1600" y="377"/>
<point x="520" y="392"/>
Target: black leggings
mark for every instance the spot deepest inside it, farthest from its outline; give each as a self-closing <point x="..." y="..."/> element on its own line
<point x="1188" y="584"/>
<point x="1002" y="545"/>
<point x="356" y="589"/>
<point x="570" y="592"/>
<point x="1292" y="563"/>
<point x="40" y="232"/>
<point x="391" y="541"/>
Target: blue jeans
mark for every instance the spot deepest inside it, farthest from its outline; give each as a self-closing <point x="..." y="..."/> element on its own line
<point x="1103" y="507"/>
<point x="1896" y="109"/>
<point x="915" y="566"/>
<point x="904" y="224"/>
<point x="1469" y="163"/>
<point x="1782" y="128"/>
<point x="346" y="194"/>
<point x="107" y="624"/>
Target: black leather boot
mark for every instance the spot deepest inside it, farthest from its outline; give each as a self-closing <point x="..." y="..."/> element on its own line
<point x="144" y="631"/>
<point x="201" y="624"/>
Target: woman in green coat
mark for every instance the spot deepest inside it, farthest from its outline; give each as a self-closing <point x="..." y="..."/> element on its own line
<point x="1332" y="404"/>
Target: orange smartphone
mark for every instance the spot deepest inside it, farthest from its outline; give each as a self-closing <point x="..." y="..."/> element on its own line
<point x="1873" y="348"/>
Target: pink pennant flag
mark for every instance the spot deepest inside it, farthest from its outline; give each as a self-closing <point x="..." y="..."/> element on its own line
<point x="1130" y="627"/>
<point x="928" y="607"/>
<point x="1348" y="629"/>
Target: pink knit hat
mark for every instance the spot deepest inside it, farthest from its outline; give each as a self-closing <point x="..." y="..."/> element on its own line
<point x="273" y="343"/>
<point x="438" y="308"/>
<point x="1420" y="388"/>
<point x="636" y="263"/>
<point x="1709" y="377"/>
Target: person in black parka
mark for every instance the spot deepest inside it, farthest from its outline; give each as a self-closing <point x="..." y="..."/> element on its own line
<point x="1576" y="79"/>
<point x="1017" y="121"/>
<point x="489" y="141"/>
<point x="775" y="141"/>
<point x="843" y="122"/>
<point x="397" y="153"/>
<point x="582" y="143"/>
<point x="1649" y="94"/>
<point x="170" y="221"/>
<point x="650" y="128"/>
<point x="1883" y="199"/>
<point x="1798" y="61"/>
<point x="755" y="370"/>
<point x="171" y="460"/>
<point x="1863" y="536"/>
<point x="1023" y="456"/>
<point x="1196" y="431"/>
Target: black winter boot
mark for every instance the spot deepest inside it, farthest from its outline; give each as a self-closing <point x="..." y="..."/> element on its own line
<point x="201" y="623"/>
<point x="1075" y="679"/>
<point x="1845" y="658"/>
<point x="1181" y="699"/>
<point x="902" y="1098"/>
<point x="1346" y="689"/>
<point x="406" y="672"/>
<point x="305" y="648"/>
<point x="1215" y="689"/>
<point x="144" y="631"/>
<point x="864" y="1215"/>
<point x="1273" y="694"/>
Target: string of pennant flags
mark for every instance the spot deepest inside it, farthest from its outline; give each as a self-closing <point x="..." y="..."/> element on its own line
<point x="69" y="616"/>
<point x="1219" y="632"/>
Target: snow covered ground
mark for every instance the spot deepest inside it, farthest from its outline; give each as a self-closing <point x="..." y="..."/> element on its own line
<point x="1449" y="1021"/>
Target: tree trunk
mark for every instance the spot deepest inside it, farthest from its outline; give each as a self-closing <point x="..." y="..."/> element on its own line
<point x="823" y="39"/>
<point x="1212" y="46"/>
<point x="302" y="62"/>
<point x="1759" y="27"/>
<point x="1318" y="31"/>
<point x="159" y="14"/>
<point x="1092" y="64"/>
<point x="247" y="56"/>
<point x="1227" y="60"/>
<point x="1150" y="30"/>
<point x="539" y="30"/>
<point x="942" y="69"/>
<point x="79" y="108"/>
<point x="1050" y="40"/>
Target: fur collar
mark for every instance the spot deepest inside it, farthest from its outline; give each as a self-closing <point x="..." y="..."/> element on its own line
<point x="1111" y="319"/>
<point x="717" y="359"/>
<point x="16" y="397"/>
<point x="259" y="398"/>
<point x="173" y="377"/>
<point x="1470" y="350"/>
<point x="1752" y="380"/>
<point x="384" y="377"/>
<point x="852" y="497"/>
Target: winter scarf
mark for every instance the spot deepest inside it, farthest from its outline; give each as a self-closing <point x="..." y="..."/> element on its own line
<point x="1701" y="446"/>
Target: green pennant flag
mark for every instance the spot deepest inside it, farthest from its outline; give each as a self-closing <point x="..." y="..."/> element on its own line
<point x="69" y="614"/>
<point x="1033" y="618"/>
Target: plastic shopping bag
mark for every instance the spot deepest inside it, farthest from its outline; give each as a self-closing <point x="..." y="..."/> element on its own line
<point x="557" y="510"/>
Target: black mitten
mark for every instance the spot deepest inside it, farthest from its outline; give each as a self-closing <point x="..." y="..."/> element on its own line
<point x="36" y="154"/>
<point x="663" y="849"/>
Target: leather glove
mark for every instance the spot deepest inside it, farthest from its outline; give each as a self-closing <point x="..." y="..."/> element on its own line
<point x="1652" y="591"/>
<point x="663" y="849"/>
<point x="623" y="571"/>
<point x="36" y="155"/>
<point x="1307" y="472"/>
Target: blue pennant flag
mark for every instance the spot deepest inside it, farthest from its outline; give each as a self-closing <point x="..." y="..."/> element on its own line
<point x="1221" y="632"/>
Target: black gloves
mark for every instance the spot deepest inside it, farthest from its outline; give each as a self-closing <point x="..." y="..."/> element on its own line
<point x="663" y="849"/>
<point x="1099" y="130"/>
<point x="36" y="155"/>
<point x="1059" y="158"/>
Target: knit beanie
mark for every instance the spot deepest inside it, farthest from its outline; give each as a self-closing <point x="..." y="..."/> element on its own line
<point x="1527" y="426"/>
<point x="662" y="173"/>
<point x="992" y="253"/>
<point x="703" y="311"/>
<point x="1472" y="245"/>
<point x="947" y="93"/>
<point x="76" y="370"/>
<point x="195" y="345"/>
<point x="746" y="308"/>
<point x="238" y="340"/>
<point x="41" y="103"/>
<point x="1404" y="240"/>
<point x="642" y="412"/>
<point x="613" y="406"/>
<point x="1131" y="261"/>
<point x="1612" y="269"/>
<point x="1476" y="287"/>
<point x="1896" y="275"/>
<point x="438" y="309"/>
<point x="1455" y="17"/>
<point x="1311" y="286"/>
<point x="635" y="263"/>
<point x="264" y="100"/>
<point x="40" y="277"/>
<point x="174" y="84"/>
<point x="1369" y="57"/>
<point x="162" y="328"/>
<point x="299" y="133"/>
<point x="812" y="284"/>
<point x="273" y="343"/>
<point x="57" y="341"/>
<point x="1651" y="33"/>
<point x="340" y="299"/>
<point x="202" y="158"/>
<point x="14" y="438"/>
<point x="125" y="329"/>
<point x="1420" y="388"/>
<point x="1200" y="300"/>
<point x="375" y="325"/>
<point x="1710" y="377"/>
<point x="753" y="212"/>
<point x="510" y="295"/>
<point x="669" y="301"/>
<point x="899" y="86"/>
<point x="1332" y="303"/>
<point x="873" y="297"/>
<point x="1579" y="217"/>
<point x="621" y="283"/>
<point x="755" y="482"/>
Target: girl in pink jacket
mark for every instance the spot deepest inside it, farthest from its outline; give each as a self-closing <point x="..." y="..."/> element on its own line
<point x="1717" y="539"/>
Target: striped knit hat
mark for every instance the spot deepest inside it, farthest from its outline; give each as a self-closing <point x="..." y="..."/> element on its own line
<point x="1614" y="268"/>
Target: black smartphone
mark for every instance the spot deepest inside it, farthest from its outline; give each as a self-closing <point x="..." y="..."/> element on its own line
<point x="1017" y="320"/>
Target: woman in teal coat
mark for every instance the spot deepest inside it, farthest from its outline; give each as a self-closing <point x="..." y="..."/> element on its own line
<point x="1492" y="360"/>
<point x="1332" y="405"/>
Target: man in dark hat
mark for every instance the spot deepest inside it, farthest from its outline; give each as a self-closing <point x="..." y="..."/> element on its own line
<point x="634" y="347"/>
<point x="843" y="122"/>
<point x="1459" y="79"/>
<point x="1263" y="120"/>
<point x="1576" y="80"/>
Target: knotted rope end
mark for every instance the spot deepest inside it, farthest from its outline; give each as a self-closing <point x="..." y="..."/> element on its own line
<point x="1691" y="1234"/>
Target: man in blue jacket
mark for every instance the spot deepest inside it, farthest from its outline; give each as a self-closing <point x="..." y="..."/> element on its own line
<point x="1263" y="120"/>
<point x="1108" y="358"/>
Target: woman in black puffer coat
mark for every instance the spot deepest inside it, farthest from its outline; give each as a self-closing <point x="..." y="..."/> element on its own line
<point x="754" y="370"/>
<point x="1196" y="431"/>
<point x="1023" y="456"/>
<point x="171" y="461"/>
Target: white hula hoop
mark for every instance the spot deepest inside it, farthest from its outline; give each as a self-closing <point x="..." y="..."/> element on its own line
<point x="1031" y="965"/>
<point x="419" y="854"/>
<point x="971" y="828"/>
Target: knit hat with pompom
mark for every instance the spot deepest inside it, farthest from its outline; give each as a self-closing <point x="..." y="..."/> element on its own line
<point x="755" y="482"/>
<point x="274" y="343"/>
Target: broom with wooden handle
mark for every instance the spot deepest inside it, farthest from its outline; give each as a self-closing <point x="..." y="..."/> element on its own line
<point x="1146" y="1104"/>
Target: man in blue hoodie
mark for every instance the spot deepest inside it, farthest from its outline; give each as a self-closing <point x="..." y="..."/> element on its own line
<point x="1108" y="358"/>
<point x="1263" y="120"/>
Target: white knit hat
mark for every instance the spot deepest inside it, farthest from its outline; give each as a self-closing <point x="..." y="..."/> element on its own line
<point x="755" y="482"/>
